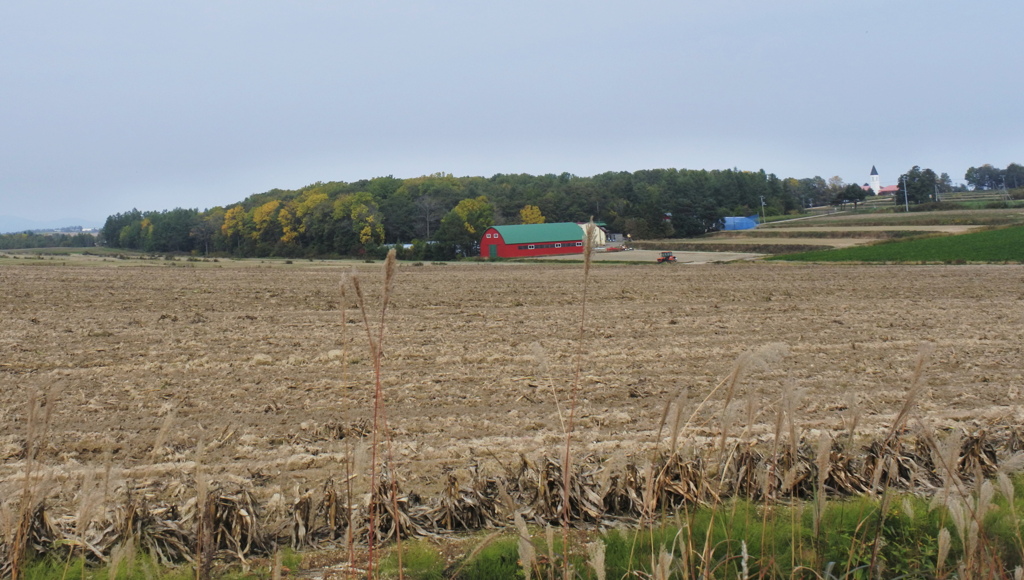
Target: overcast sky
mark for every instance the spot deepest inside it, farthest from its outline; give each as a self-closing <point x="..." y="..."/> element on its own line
<point x="106" y="106"/>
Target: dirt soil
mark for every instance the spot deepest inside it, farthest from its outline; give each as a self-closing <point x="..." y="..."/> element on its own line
<point x="682" y="257"/>
<point x="258" y="374"/>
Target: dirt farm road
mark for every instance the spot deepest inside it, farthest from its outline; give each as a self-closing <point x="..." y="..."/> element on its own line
<point x="652" y="256"/>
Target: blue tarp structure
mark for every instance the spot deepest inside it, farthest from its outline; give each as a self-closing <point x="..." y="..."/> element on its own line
<point x="741" y="223"/>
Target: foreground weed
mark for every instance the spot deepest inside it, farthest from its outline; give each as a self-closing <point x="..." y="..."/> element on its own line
<point x="376" y="341"/>
<point x="588" y="246"/>
<point x="420" y="561"/>
<point x="498" y="559"/>
<point x="134" y="566"/>
<point x="734" y="540"/>
<point x="39" y="416"/>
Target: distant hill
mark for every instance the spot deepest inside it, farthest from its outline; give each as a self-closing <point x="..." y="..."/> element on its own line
<point x="13" y="224"/>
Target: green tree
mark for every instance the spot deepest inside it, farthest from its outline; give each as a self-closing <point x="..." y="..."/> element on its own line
<point x="835" y="188"/>
<point x="110" y="234"/>
<point x="464" y="225"/>
<point x="918" y="185"/>
<point x="637" y="228"/>
<point x="1014" y="175"/>
<point x="384" y="187"/>
<point x="815" y="191"/>
<point x="984" y="177"/>
<point x="852" y="193"/>
<point x="131" y="236"/>
<point x="170" y="231"/>
<point x="417" y="206"/>
<point x="944" y="183"/>
<point x="33" y="240"/>
<point x="208" y="228"/>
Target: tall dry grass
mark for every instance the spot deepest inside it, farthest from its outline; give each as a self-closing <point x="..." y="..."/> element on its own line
<point x="39" y="415"/>
<point x="375" y="340"/>
<point x="589" y="239"/>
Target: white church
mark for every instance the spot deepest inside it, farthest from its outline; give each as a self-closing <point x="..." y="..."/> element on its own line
<point x="876" y="185"/>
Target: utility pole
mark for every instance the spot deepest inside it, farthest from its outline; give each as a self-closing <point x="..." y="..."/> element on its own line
<point x="906" y="195"/>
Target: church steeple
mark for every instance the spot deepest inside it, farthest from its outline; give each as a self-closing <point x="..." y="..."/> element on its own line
<point x="876" y="182"/>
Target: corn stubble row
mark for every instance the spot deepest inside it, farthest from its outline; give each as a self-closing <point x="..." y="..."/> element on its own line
<point x="228" y="526"/>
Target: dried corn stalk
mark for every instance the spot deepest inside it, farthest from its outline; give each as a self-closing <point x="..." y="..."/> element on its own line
<point x="399" y="515"/>
<point x="471" y="507"/>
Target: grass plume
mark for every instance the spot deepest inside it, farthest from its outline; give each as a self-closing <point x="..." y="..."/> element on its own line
<point x="589" y="239"/>
<point x="375" y="342"/>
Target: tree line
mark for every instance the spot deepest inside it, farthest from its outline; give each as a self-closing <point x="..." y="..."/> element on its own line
<point x="923" y="185"/>
<point x="988" y="177"/>
<point x="443" y="216"/>
<point x="36" y="240"/>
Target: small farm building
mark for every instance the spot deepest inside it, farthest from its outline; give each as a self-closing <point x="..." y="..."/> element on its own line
<point x="740" y="223"/>
<point x="524" y="241"/>
<point x="600" y="233"/>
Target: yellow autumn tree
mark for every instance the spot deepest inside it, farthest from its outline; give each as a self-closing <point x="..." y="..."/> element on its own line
<point x="530" y="214"/>
<point x="234" y="221"/>
<point x="371" y="232"/>
<point x="147" y="234"/>
<point x="365" y="215"/>
<point x="290" y="224"/>
<point x="292" y="215"/>
<point x="307" y="202"/>
<point x="263" y="217"/>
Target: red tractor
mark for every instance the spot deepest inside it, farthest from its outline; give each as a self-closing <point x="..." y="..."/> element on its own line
<point x="666" y="258"/>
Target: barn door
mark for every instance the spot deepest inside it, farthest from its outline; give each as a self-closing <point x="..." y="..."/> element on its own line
<point x="493" y="251"/>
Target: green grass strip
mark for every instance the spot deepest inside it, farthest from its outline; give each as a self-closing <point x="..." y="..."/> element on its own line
<point x="855" y="538"/>
<point x="1001" y="245"/>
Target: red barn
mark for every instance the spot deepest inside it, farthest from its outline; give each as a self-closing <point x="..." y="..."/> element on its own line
<point x="524" y="241"/>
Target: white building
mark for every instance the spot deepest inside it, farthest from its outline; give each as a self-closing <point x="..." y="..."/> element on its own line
<point x="876" y="185"/>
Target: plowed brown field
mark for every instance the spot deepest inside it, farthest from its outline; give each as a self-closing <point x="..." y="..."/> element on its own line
<point x="246" y="368"/>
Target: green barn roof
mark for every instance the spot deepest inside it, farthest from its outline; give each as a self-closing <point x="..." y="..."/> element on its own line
<point x="538" y="233"/>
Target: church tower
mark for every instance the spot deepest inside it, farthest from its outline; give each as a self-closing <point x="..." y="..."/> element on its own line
<point x="876" y="183"/>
